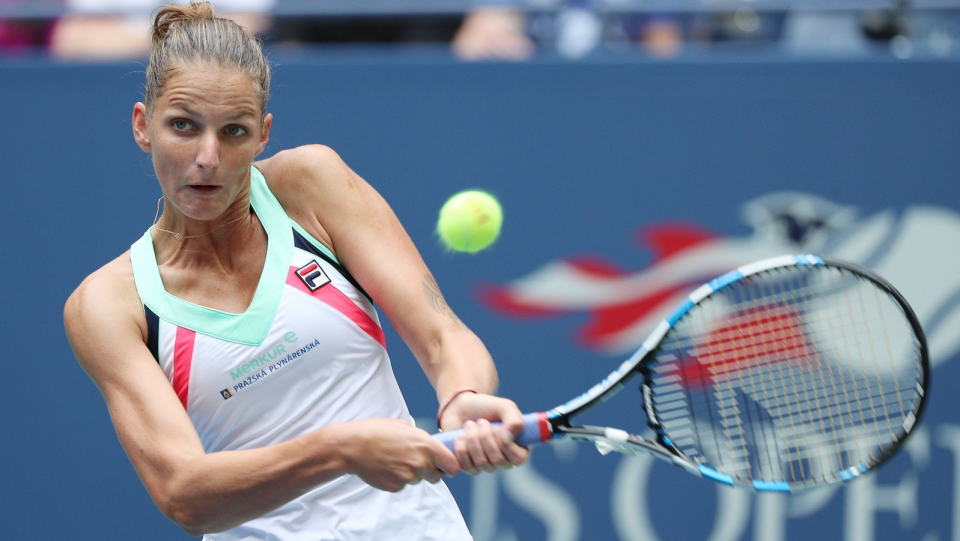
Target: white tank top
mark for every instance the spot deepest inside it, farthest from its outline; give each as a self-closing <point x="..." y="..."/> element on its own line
<point x="309" y="352"/>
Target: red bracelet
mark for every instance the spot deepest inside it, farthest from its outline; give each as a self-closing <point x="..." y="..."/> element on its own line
<point x="449" y="401"/>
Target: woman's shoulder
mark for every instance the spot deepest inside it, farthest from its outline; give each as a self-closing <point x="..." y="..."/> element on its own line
<point x="311" y="182"/>
<point x="111" y="289"/>
<point x="116" y="275"/>
<point x="308" y="164"/>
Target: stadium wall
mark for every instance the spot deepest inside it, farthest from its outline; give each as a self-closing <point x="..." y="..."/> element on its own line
<point x="611" y="167"/>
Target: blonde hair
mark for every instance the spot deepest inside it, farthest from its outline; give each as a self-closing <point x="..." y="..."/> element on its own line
<point x="194" y="34"/>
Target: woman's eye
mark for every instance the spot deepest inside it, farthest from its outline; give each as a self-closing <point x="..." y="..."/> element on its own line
<point x="181" y="125"/>
<point x="236" y="130"/>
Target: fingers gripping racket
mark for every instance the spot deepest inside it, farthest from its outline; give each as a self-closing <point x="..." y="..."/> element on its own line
<point x="785" y="374"/>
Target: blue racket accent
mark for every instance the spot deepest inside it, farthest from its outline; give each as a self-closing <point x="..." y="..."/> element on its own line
<point x="679" y="312"/>
<point x="853" y="472"/>
<point x="723" y="281"/>
<point x="711" y="473"/>
<point x="771" y="486"/>
<point x="737" y="275"/>
<point x="809" y="259"/>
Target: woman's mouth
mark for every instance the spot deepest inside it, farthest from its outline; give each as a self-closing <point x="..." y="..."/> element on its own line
<point x="203" y="189"/>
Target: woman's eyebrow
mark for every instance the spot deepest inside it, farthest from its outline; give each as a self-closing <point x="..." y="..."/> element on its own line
<point x="244" y="112"/>
<point x="241" y="113"/>
<point x="184" y="107"/>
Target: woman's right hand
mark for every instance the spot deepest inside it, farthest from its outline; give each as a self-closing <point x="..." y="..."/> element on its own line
<point x="390" y="454"/>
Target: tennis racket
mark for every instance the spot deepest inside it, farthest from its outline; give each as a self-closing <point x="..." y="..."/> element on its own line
<point x="785" y="374"/>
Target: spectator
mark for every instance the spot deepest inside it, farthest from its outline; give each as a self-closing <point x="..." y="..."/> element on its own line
<point x="499" y="31"/>
<point x="493" y="32"/>
<point x="30" y="31"/>
<point x="119" y="29"/>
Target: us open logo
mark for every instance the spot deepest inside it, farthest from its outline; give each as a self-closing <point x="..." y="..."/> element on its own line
<point x="313" y="276"/>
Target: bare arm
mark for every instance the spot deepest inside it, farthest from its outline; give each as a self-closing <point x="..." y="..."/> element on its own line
<point x="340" y="208"/>
<point x="215" y="492"/>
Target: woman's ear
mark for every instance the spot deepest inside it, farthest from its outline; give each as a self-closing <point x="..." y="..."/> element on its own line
<point x="140" y="134"/>
<point x="265" y="132"/>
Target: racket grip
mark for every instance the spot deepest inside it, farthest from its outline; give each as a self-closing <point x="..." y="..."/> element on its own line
<point x="536" y="429"/>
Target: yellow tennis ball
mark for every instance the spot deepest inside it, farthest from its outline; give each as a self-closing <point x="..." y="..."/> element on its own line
<point x="470" y="221"/>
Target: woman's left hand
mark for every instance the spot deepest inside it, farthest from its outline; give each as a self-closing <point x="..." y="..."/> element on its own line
<point x="482" y="446"/>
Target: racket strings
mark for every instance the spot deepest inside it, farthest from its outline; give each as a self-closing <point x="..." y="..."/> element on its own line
<point x="779" y="332"/>
<point x="804" y="299"/>
<point x="837" y="442"/>
<point x="828" y="383"/>
<point x="888" y="349"/>
<point x="791" y="375"/>
<point x="855" y="351"/>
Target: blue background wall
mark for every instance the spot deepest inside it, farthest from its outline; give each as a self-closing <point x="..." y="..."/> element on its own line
<point x="580" y="155"/>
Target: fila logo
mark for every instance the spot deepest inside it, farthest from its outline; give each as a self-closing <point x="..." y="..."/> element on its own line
<point x="313" y="275"/>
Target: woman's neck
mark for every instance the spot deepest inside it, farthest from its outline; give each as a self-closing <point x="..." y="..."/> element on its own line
<point x="221" y="242"/>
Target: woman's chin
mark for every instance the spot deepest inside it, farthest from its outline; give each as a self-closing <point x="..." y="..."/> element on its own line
<point x="203" y="212"/>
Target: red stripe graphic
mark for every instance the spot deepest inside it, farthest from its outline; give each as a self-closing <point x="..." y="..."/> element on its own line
<point x="182" y="357"/>
<point x="748" y="340"/>
<point x="335" y="298"/>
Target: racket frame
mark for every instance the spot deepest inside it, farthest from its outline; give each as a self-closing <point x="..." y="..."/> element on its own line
<point x="555" y="423"/>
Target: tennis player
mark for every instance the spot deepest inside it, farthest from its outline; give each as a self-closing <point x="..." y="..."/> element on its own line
<point x="236" y="343"/>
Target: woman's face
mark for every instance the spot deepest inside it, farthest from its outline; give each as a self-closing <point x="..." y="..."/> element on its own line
<point x="203" y="133"/>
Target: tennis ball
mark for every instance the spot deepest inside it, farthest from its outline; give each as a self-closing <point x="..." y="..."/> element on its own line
<point x="470" y="221"/>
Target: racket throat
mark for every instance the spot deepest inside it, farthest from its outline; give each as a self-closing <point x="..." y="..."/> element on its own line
<point x="646" y="391"/>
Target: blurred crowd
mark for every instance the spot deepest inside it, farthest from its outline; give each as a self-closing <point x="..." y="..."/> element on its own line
<point x="496" y="29"/>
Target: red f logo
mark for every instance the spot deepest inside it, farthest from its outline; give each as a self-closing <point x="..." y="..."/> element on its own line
<point x="313" y="275"/>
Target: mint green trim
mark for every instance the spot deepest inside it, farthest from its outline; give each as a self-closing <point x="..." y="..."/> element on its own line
<point x="249" y="328"/>
<point x="310" y="238"/>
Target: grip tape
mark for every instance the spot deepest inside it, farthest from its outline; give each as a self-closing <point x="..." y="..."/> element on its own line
<point x="536" y="429"/>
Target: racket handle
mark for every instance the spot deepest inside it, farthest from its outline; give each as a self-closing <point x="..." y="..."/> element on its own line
<point x="536" y="429"/>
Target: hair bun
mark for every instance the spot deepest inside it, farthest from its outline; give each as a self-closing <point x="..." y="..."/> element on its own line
<point x="168" y="16"/>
